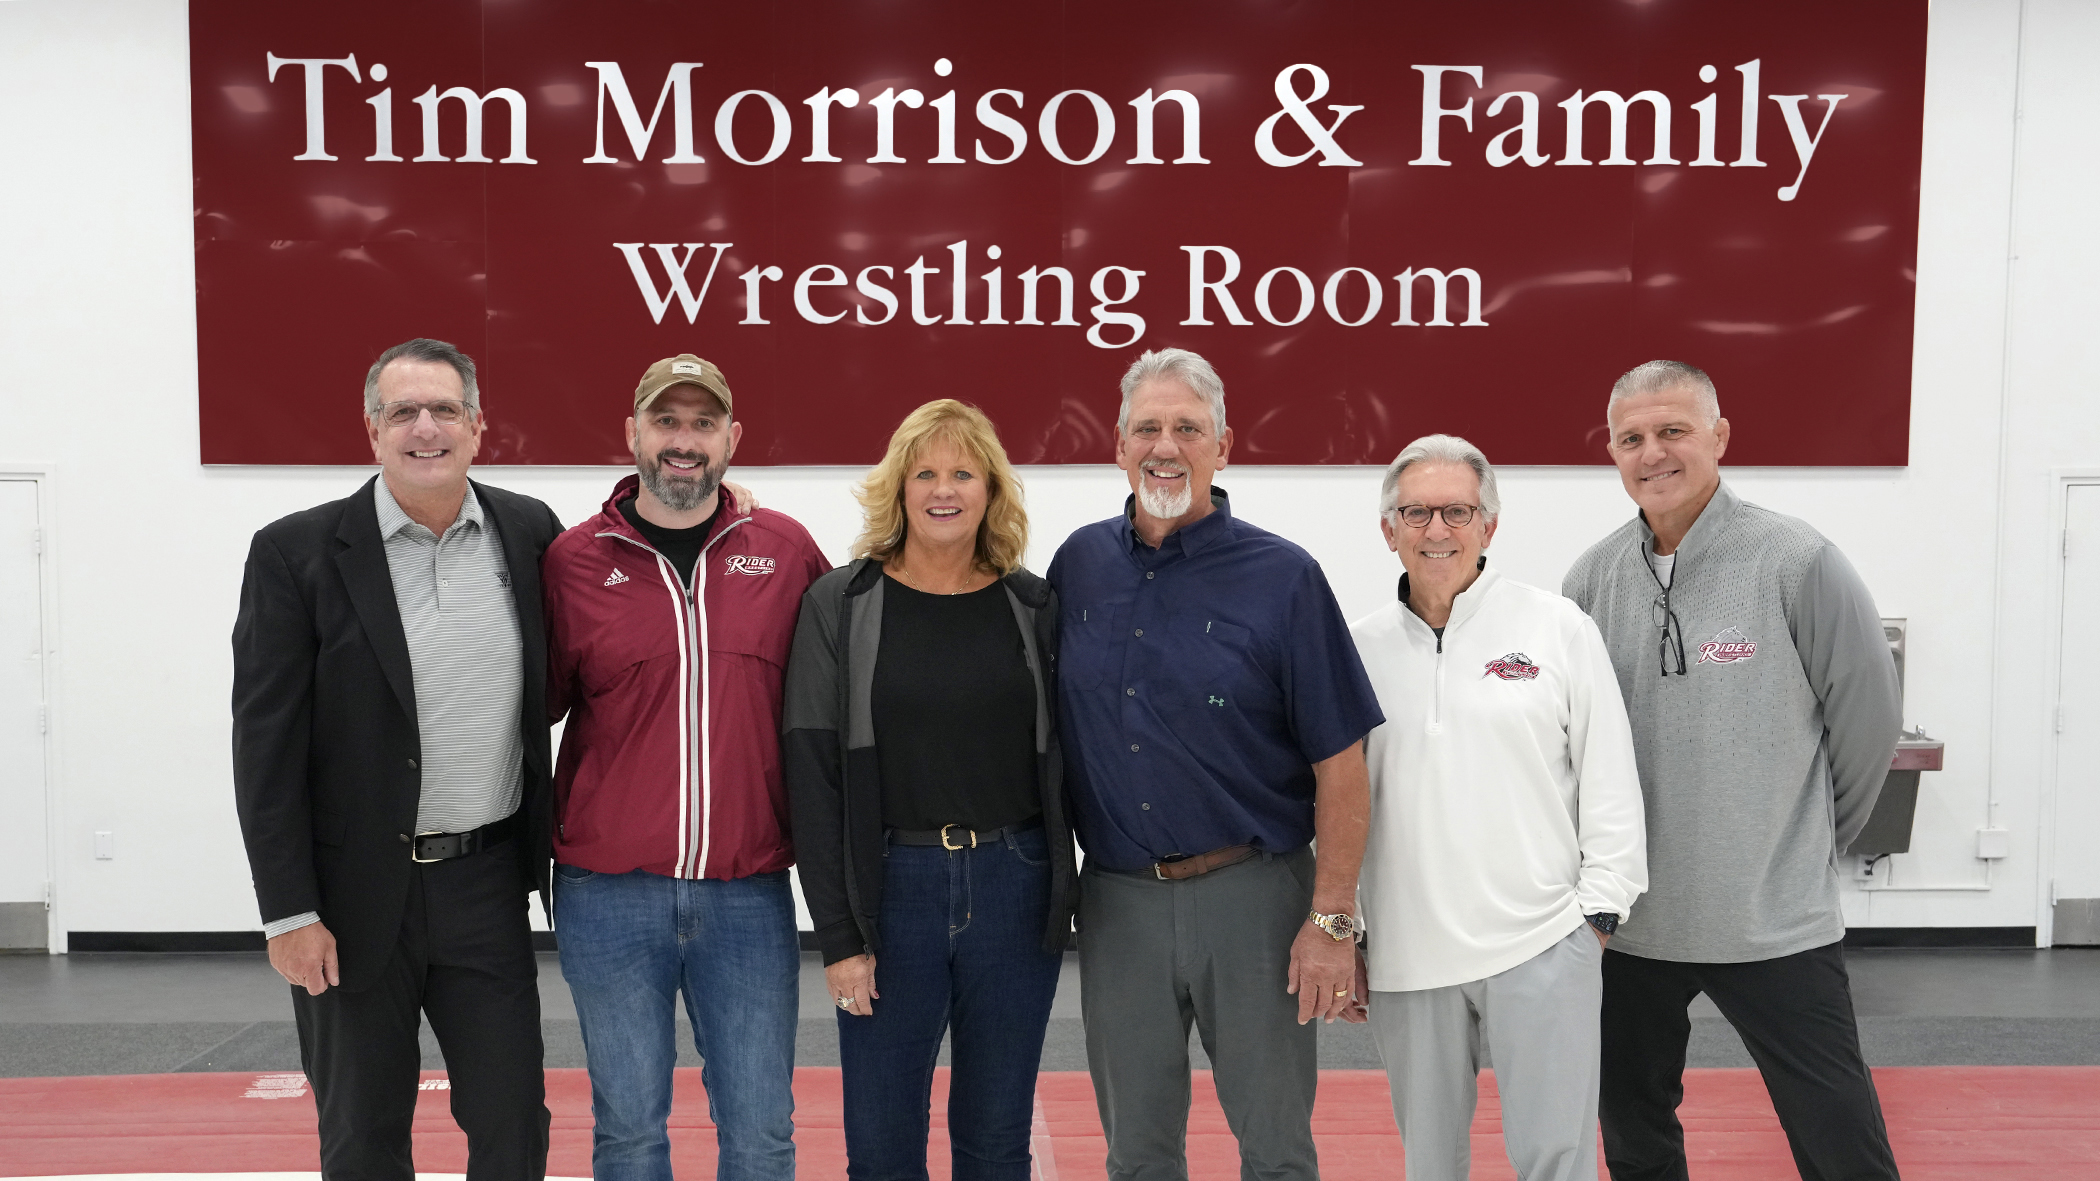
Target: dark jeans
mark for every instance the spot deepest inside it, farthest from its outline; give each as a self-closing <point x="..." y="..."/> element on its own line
<point x="630" y="944"/>
<point x="962" y="952"/>
<point x="464" y="959"/>
<point x="1795" y="1016"/>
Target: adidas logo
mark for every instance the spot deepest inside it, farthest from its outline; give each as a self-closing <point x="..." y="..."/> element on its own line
<point x="615" y="578"/>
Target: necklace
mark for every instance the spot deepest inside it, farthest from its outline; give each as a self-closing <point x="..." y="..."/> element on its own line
<point x="904" y="578"/>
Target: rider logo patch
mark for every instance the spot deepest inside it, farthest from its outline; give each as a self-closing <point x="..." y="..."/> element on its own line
<point x="1728" y="647"/>
<point x="747" y="564"/>
<point x="1514" y="667"/>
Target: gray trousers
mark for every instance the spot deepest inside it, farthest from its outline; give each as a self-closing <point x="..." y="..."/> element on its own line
<point x="1215" y="951"/>
<point x="1539" y="1023"/>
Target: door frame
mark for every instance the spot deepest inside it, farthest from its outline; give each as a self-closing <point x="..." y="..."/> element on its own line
<point x="44" y="477"/>
<point x="2061" y="481"/>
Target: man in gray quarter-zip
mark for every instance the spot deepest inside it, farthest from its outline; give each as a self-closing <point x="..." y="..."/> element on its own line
<point x="1765" y="711"/>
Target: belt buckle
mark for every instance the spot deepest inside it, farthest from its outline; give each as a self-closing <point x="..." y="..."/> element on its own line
<point x="423" y="860"/>
<point x="957" y="848"/>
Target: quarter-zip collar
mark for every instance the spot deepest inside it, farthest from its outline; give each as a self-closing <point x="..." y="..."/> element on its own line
<point x="612" y="521"/>
<point x="1712" y="520"/>
<point x="1463" y="607"/>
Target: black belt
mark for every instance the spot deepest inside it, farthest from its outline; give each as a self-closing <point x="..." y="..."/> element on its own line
<point x="955" y="836"/>
<point x="444" y="846"/>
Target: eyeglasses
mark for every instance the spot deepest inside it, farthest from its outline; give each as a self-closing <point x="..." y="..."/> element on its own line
<point x="1417" y="516"/>
<point x="1672" y="634"/>
<point x="444" y="412"/>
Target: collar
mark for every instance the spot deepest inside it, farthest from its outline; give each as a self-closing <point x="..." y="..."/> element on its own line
<point x="1466" y="605"/>
<point x="1712" y="519"/>
<point x="1194" y="536"/>
<point x="393" y="519"/>
<point x="630" y="486"/>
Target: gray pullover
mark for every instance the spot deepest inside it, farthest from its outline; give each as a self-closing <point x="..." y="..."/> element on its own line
<point x="1761" y="763"/>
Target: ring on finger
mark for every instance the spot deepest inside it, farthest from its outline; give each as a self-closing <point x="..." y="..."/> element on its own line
<point x="845" y="1002"/>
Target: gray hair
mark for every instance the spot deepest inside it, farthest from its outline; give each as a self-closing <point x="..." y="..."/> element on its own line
<point x="1190" y="369"/>
<point x="1658" y="376"/>
<point x="424" y="349"/>
<point x="1441" y="449"/>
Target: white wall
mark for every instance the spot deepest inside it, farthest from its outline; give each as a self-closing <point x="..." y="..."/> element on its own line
<point x="98" y="377"/>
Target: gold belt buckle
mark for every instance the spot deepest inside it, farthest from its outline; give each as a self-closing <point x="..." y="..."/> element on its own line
<point x="954" y="848"/>
<point x="423" y="860"/>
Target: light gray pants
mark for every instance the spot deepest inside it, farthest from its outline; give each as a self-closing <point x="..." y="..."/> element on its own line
<point x="1215" y="951"/>
<point x="1538" y="1021"/>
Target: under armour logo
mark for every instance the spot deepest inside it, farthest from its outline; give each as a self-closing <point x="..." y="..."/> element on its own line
<point x="615" y="578"/>
<point x="1218" y="701"/>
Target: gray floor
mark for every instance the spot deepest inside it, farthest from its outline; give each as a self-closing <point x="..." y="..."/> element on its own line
<point x="141" y="1014"/>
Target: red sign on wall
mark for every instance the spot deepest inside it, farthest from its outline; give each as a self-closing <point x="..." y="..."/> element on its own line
<point x="1376" y="220"/>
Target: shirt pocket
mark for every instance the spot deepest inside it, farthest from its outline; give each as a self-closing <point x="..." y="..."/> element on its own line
<point x="1221" y="674"/>
<point x="1089" y="648"/>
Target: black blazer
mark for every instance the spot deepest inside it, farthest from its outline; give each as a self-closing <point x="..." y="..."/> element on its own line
<point x="325" y="742"/>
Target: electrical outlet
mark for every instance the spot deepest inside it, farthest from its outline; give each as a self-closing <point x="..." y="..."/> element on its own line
<point x="1993" y="844"/>
<point x="1863" y="868"/>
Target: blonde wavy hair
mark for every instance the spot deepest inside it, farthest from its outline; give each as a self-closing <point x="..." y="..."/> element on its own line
<point x="1002" y="537"/>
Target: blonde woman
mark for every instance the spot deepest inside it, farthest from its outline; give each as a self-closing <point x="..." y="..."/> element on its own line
<point x="930" y="833"/>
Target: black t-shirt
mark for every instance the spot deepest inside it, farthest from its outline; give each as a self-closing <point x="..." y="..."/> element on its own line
<point x="681" y="546"/>
<point x="954" y="710"/>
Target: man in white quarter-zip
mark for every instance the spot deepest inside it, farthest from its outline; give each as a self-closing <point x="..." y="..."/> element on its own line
<point x="1507" y="839"/>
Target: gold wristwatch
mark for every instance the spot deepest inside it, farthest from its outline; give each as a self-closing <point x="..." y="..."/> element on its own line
<point x="1339" y="927"/>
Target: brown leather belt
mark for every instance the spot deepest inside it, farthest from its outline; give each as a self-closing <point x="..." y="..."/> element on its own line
<point x="1179" y="869"/>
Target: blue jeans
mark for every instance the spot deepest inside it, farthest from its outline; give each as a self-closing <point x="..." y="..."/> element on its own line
<point x="962" y="951"/>
<point x="630" y="943"/>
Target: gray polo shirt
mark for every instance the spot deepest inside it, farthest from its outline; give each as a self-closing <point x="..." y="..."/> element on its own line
<point x="456" y="608"/>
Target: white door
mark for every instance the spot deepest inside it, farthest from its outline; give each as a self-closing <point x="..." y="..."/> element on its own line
<point x="23" y="869"/>
<point x="2077" y="821"/>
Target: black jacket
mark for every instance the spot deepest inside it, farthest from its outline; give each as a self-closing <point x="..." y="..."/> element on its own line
<point x="325" y="742"/>
<point x="834" y="778"/>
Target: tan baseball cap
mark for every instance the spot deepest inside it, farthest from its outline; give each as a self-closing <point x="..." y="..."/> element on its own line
<point x="683" y="369"/>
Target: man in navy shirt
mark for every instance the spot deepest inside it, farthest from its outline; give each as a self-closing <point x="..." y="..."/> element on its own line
<point x="1214" y="714"/>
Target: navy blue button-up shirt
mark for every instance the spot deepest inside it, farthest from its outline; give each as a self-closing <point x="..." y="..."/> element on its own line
<point x="1200" y="681"/>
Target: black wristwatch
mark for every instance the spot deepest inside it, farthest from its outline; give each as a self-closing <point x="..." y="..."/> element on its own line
<point x="1605" y="921"/>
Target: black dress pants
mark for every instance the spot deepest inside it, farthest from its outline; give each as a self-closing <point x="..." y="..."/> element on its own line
<point x="1795" y="1017"/>
<point x="465" y="959"/>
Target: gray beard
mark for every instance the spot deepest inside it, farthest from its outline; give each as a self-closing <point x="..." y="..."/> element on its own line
<point x="1167" y="506"/>
<point x="680" y="494"/>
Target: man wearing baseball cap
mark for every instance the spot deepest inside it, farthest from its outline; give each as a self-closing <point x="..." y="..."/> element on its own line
<point x="669" y="616"/>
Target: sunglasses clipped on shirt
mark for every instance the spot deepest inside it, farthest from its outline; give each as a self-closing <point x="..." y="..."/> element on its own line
<point x="1672" y="638"/>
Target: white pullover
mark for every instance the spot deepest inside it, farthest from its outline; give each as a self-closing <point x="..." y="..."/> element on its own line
<point x="1505" y="804"/>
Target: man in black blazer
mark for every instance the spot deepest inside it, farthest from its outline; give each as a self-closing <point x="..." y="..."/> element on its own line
<point x="392" y="776"/>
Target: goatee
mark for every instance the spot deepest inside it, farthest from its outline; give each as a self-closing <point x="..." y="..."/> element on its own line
<point x="1163" y="504"/>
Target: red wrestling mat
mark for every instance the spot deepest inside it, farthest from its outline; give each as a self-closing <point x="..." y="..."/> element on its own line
<point x="2036" y="1123"/>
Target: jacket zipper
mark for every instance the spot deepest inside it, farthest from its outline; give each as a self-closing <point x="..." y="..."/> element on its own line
<point x="690" y="616"/>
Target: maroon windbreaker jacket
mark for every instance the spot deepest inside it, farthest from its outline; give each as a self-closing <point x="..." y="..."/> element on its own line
<point x="671" y="759"/>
